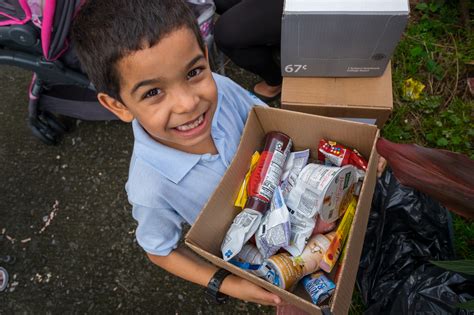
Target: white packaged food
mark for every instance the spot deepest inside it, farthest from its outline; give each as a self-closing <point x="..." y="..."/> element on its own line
<point x="274" y="230"/>
<point x="243" y="227"/>
<point x="322" y="189"/>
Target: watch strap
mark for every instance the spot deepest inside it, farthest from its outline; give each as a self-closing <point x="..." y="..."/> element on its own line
<point x="214" y="285"/>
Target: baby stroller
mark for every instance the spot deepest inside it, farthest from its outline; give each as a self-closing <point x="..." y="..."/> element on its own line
<point x="34" y="36"/>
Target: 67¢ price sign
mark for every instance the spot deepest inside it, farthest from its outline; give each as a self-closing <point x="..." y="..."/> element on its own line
<point x="295" y="68"/>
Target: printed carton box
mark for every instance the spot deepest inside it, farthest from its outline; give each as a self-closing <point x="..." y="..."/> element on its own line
<point x="366" y="100"/>
<point x="340" y="38"/>
<point x="206" y="235"/>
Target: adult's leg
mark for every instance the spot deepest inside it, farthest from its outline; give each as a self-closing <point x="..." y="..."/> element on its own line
<point x="248" y="34"/>
<point x="224" y="5"/>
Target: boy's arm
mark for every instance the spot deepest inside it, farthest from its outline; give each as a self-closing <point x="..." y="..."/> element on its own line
<point x="187" y="265"/>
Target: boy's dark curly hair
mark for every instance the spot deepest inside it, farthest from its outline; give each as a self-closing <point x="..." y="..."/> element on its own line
<point x="105" y="31"/>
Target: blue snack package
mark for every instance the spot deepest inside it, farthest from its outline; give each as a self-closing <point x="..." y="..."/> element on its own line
<point x="318" y="286"/>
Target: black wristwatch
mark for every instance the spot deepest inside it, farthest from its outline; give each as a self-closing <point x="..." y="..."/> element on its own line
<point x="212" y="291"/>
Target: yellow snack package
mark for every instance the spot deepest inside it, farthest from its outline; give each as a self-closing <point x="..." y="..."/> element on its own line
<point x="242" y="196"/>
<point x="412" y="89"/>
<point x="337" y="244"/>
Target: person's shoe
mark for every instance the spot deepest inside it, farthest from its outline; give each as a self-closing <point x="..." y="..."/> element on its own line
<point x="266" y="98"/>
<point x="3" y="279"/>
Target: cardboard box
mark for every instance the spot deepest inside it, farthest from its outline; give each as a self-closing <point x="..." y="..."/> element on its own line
<point x="341" y="38"/>
<point x="369" y="99"/>
<point x="206" y="235"/>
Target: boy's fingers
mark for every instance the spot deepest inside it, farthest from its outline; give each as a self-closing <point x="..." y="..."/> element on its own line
<point x="270" y="298"/>
<point x="256" y="294"/>
<point x="276" y="299"/>
<point x="381" y="165"/>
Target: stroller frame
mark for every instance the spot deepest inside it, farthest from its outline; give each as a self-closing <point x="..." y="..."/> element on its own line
<point x="24" y="46"/>
<point x="40" y="45"/>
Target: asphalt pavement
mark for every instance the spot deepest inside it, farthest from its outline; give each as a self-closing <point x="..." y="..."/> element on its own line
<point x="64" y="216"/>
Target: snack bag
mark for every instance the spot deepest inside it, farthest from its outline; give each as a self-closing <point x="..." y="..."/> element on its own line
<point x="293" y="166"/>
<point x="242" y="229"/>
<point x="242" y="195"/>
<point x="250" y="259"/>
<point x="332" y="254"/>
<point x="274" y="230"/>
<point x="319" y="287"/>
<point x="339" y="155"/>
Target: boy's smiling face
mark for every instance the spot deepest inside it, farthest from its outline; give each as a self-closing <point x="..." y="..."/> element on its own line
<point x="170" y="90"/>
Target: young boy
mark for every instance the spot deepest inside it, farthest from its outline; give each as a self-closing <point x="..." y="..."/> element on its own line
<point x="150" y="67"/>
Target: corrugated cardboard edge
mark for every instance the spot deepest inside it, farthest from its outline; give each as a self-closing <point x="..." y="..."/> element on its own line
<point x="343" y="111"/>
<point x="291" y="104"/>
<point x="252" y="122"/>
<point x="343" y="294"/>
<point x="294" y="118"/>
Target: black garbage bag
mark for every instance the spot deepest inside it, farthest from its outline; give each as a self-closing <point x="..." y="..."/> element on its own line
<point x="406" y="229"/>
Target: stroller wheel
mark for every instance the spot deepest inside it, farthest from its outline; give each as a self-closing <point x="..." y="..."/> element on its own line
<point x="53" y="121"/>
<point x="43" y="131"/>
<point x="3" y="279"/>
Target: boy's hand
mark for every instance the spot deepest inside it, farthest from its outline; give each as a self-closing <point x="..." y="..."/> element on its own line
<point x="245" y="290"/>
<point x="382" y="164"/>
<point x="187" y="265"/>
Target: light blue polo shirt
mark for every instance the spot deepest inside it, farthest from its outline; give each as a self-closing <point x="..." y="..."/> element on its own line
<point x="167" y="187"/>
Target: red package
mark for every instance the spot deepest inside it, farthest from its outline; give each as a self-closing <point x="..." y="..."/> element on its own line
<point x="322" y="227"/>
<point x="339" y="155"/>
<point x="266" y="175"/>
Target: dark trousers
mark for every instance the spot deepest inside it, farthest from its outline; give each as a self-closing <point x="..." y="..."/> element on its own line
<point x="248" y="32"/>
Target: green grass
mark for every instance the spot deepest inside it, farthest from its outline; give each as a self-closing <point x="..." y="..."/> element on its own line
<point x="434" y="51"/>
<point x="357" y="305"/>
<point x="464" y="238"/>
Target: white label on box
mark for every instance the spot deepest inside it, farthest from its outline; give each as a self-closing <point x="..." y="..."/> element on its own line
<point x="346" y="6"/>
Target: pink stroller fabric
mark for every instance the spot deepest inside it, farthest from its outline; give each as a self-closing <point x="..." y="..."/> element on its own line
<point x="42" y="14"/>
<point x="47" y="25"/>
<point x="9" y="17"/>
